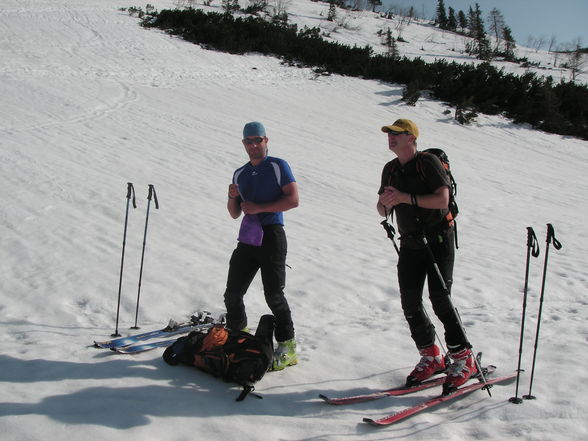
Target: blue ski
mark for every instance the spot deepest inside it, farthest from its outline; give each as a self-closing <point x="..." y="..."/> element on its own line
<point x="142" y="347"/>
<point x="132" y="339"/>
<point x="172" y="328"/>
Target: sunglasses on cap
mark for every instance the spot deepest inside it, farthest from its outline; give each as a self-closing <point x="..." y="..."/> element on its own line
<point x="250" y="141"/>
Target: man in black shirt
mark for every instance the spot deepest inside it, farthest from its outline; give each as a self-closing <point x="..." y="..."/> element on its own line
<point x="416" y="187"/>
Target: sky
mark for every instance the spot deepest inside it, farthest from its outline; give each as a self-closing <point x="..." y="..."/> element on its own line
<point x="537" y="18"/>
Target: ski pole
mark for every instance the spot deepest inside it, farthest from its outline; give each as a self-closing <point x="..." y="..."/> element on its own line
<point x="447" y="293"/>
<point x="130" y="190"/>
<point x="390" y="231"/>
<point x="153" y="194"/>
<point x="557" y="246"/>
<point x="532" y="250"/>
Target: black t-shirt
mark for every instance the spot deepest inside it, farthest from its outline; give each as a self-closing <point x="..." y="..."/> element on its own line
<point x="407" y="179"/>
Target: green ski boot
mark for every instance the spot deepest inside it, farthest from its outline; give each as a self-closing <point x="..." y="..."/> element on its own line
<point x="285" y="355"/>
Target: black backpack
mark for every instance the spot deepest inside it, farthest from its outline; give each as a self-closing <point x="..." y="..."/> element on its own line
<point x="453" y="208"/>
<point x="234" y="356"/>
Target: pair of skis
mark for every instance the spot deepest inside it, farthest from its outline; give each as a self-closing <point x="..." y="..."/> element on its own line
<point x="428" y="404"/>
<point x="134" y="344"/>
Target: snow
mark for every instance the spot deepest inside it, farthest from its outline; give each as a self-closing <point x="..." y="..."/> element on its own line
<point x="91" y="101"/>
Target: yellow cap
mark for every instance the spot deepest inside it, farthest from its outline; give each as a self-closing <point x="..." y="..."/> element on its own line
<point x="402" y="125"/>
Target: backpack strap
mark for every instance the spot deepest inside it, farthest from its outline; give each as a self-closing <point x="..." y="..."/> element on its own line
<point x="248" y="389"/>
<point x="452" y="188"/>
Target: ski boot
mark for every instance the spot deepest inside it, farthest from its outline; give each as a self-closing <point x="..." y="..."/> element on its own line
<point x="460" y="370"/>
<point x="432" y="362"/>
<point x="285" y="355"/>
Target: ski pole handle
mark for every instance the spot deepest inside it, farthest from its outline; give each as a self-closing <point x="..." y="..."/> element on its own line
<point x="390" y="231"/>
<point x="551" y="237"/>
<point x="131" y="190"/>
<point x="532" y="242"/>
<point x="154" y="194"/>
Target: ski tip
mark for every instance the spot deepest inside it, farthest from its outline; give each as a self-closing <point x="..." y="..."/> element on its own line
<point x="371" y="422"/>
<point x="327" y="399"/>
<point x="339" y="401"/>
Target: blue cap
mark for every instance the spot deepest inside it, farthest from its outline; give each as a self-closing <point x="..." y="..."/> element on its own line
<point x="253" y="129"/>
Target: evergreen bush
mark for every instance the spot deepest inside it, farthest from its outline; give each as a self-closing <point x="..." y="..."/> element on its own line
<point x="557" y="108"/>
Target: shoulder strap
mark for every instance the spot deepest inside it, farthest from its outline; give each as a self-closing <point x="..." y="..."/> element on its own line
<point x="419" y="164"/>
<point x="393" y="167"/>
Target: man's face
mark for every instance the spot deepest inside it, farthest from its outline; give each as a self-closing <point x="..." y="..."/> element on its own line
<point x="398" y="140"/>
<point x="256" y="147"/>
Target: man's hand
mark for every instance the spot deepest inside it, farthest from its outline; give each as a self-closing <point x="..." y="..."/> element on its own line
<point x="251" y="208"/>
<point x="392" y="197"/>
<point x="233" y="191"/>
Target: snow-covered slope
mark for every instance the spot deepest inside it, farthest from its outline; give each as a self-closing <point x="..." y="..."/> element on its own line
<point x="91" y="101"/>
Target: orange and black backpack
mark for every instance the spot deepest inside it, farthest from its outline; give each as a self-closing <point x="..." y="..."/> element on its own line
<point x="234" y="356"/>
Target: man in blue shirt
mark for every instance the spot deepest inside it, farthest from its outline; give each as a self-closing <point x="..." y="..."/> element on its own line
<point x="262" y="190"/>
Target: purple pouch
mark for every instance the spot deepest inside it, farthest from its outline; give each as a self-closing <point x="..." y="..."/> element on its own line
<point x="251" y="231"/>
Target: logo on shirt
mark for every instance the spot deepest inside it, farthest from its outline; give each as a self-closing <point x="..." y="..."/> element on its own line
<point x="254" y="173"/>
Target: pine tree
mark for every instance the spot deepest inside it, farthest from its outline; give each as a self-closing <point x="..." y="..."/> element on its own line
<point x="480" y="46"/>
<point x="575" y="60"/>
<point x="452" y="20"/>
<point x="471" y="23"/>
<point x="230" y="6"/>
<point x="332" y="11"/>
<point x="462" y="20"/>
<point x="411" y="93"/>
<point x="495" y="26"/>
<point x="280" y="13"/>
<point x="256" y="6"/>
<point x="390" y="43"/>
<point x="441" y="15"/>
<point x="465" y="112"/>
<point x="509" y="44"/>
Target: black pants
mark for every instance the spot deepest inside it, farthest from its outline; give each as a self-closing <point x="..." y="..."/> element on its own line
<point x="414" y="266"/>
<point x="245" y="262"/>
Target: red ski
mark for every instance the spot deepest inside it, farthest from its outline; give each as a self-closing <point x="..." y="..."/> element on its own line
<point x="394" y="392"/>
<point x="403" y="414"/>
